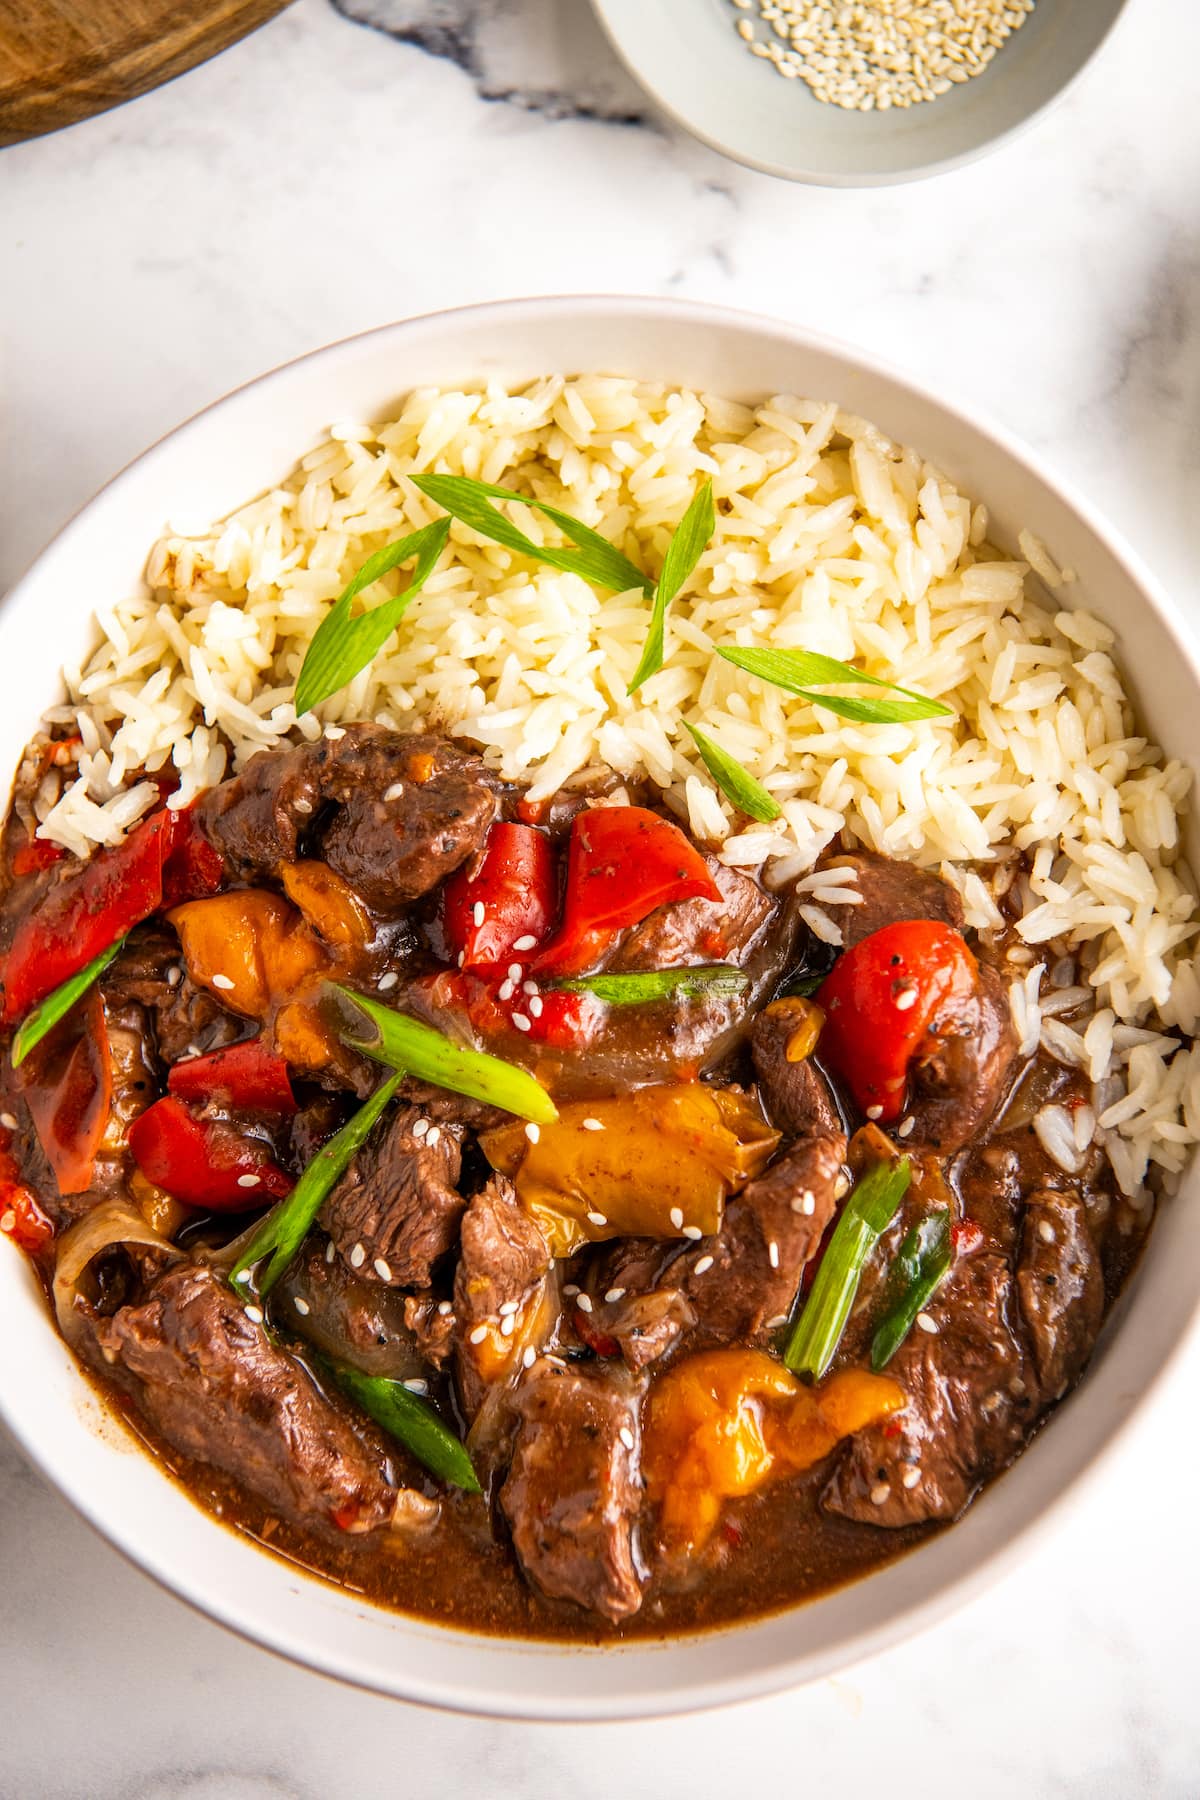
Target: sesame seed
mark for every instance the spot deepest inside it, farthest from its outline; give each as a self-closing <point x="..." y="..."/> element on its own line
<point x="254" y="1314"/>
<point x="301" y="1305"/>
<point x="614" y="1294"/>
<point x="777" y="1321"/>
<point x="8" y="1122"/>
<point x="444" y="1309"/>
<point x="880" y="1493"/>
<point x="533" y="1132"/>
<point x="8" y="1220"/>
<point x="529" y="987"/>
<point x="535" y="1006"/>
<point x="593" y="1125"/>
<point x="525" y="943"/>
<point x="521" y="1022"/>
<point x="570" y="1290"/>
<point x="394" y="792"/>
<point x="773" y="1254"/>
<point x="703" y="1266"/>
<point x="905" y="1126"/>
<point x="841" y="1187"/>
<point x="388" y="981"/>
<point x="508" y="1325"/>
<point x="906" y="1000"/>
<point x="677" y="1217"/>
<point x="420" y="1128"/>
<point x="692" y="1231"/>
<point x="927" y="1322"/>
<point x="584" y="1302"/>
<point x="358" y="1257"/>
<point x="478" y="1335"/>
<point x="433" y="1136"/>
<point x="506" y="990"/>
<point x="244" y="1274"/>
<point x="874" y="1112"/>
<point x="910" y="1477"/>
<point x="174" y="975"/>
<point x="1045" y="1231"/>
<point x="416" y="1386"/>
<point x="247" y="1181"/>
<point x="383" y="1269"/>
<point x="477" y="912"/>
<point x="805" y="1202"/>
<point x="462" y="957"/>
<point x="627" y="1438"/>
<point x="330" y="1252"/>
<point x="508" y="1308"/>
<point x="334" y="732"/>
<point x="597" y="1218"/>
<point x="528" y="1357"/>
<point x="223" y="982"/>
<point x="515" y="972"/>
<point x="302" y="806"/>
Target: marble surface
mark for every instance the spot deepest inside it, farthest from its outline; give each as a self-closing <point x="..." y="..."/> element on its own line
<point x="358" y="160"/>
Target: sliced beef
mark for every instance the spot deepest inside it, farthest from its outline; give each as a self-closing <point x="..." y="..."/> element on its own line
<point x="638" y="1311"/>
<point x="219" y="1390"/>
<point x="396" y="1209"/>
<point x="891" y="891"/>
<point x="503" y="1257"/>
<point x="184" y="1018"/>
<point x="444" y="1108"/>
<point x="957" y="1088"/>
<point x="573" y="1491"/>
<point x="394" y="815"/>
<point x="969" y="1408"/>
<point x="797" y="1097"/>
<point x="701" y="931"/>
<point x="432" y="1323"/>
<point x="1061" y="1289"/>
<point x="355" y="1321"/>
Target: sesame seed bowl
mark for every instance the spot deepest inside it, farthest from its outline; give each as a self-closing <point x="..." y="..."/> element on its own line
<point x="855" y="95"/>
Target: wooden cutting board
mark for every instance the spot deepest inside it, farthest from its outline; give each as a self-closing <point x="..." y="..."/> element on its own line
<point x="62" y="60"/>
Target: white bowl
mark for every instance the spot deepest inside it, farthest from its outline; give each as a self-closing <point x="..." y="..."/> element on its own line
<point x="212" y="464"/>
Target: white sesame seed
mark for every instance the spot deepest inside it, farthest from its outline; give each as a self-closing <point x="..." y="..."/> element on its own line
<point x="301" y="1305"/>
<point x="703" y="1266"/>
<point x="8" y="1220"/>
<point x="254" y="1314"/>
<point x="174" y="975"/>
<point x="535" y="1006"/>
<point x="904" y="1129"/>
<point x="570" y="1290"/>
<point x="805" y="1202"/>
<point x="874" y="1112"/>
<point x="841" y="1187"/>
<point x="242" y="1275"/>
<point x="394" y="792"/>
<point x="477" y="912"/>
<point x="677" y="1217"/>
<point x="906" y="1000"/>
<point x="533" y="1132"/>
<point x="334" y="732"/>
<point x="462" y="957"/>
<point x="597" y="1218"/>
<point x="330" y="1252"/>
<point x="248" y="1181"/>
<point x="515" y="972"/>
<point x="593" y="1125"/>
<point x="358" y="1257"/>
<point x="506" y="991"/>
<point x="528" y="1357"/>
<point x="521" y="1022"/>
<point x="529" y="987"/>
<point x="478" y="1335"/>
<point x="911" y="1476"/>
<point x="926" y="1322"/>
<point x="508" y="1308"/>
<point x="415" y="1385"/>
<point x="302" y="805"/>
<point x="777" y="1321"/>
<point x="223" y="982"/>
<point x="383" y="1269"/>
<point x="692" y="1231"/>
<point x="773" y="1254"/>
<point x="528" y="942"/>
<point x="8" y="1122"/>
<point x="444" y="1309"/>
<point x="508" y="1325"/>
<point x="584" y="1302"/>
<point x="388" y="981"/>
<point x="1045" y="1231"/>
<point x="627" y="1438"/>
<point x="433" y="1136"/>
<point x="880" y="1493"/>
<point x="614" y="1294"/>
<point x="420" y="1128"/>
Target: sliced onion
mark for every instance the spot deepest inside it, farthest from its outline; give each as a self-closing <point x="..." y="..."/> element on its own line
<point x="112" y="1225"/>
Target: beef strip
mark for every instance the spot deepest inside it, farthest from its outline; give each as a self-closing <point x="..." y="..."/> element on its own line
<point x="393" y="815"/>
<point x="1061" y="1288"/>
<point x="503" y="1263"/>
<point x="892" y="891"/>
<point x="432" y="1323"/>
<point x="797" y="1097"/>
<point x="701" y="931"/>
<point x="184" y="1018"/>
<point x="956" y="1089"/>
<point x="573" y="1491"/>
<point x="217" y="1389"/>
<point x="395" y="1210"/>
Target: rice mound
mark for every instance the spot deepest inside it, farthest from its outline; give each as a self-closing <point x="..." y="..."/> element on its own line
<point x="830" y="538"/>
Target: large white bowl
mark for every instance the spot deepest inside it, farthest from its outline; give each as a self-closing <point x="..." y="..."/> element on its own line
<point x="210" y="465"/>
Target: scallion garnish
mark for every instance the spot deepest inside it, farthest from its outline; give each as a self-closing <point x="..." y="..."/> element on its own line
<point x="922" y="1264"/>
<point x="687" y="546"/>
<point x="804" y="672"/>
<point x="637" y="987"/>
<point x="418" y="1049"/>
<point x="411" y="1420"/>
<point x="342" y="645"/>
<point x="56" y="1006"/>
<point x="594" y="558"/>
<point x="866" y="1215"/>
<point x="735" y="782"/>
<point x="285" y="1227"/>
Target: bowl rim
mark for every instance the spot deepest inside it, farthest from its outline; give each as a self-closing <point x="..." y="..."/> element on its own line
<point x="907" y="1619"/>
<point x="847" y="179"/>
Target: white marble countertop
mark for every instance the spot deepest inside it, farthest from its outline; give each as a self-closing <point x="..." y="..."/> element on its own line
<point x="358" y="160"/>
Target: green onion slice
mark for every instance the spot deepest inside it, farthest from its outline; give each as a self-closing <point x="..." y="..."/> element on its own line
<point x="342" y="646"/>
<point x="56" y="1006"/>
<point x="418" y="1049"/>
<point x="637" y="988"/>
<point x="922" y="1263"/>
<point x="804" y="671"/>
<point x="687" y="546"/>
<point x="866" y="1215"/>
<point x="283" y="1230"/>
<point x="735" y="782"/>
<point x="594" y="558"/>
<point x="411" y="1420"/>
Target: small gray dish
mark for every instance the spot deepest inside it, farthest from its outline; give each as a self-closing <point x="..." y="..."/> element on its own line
<point x="688" y="57"/>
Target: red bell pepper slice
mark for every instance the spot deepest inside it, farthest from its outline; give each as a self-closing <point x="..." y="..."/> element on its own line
<point x="513" y="895"/>
<point x="36" y="855"/>
<point x="203" y="1162"/>
<point x="248" y="1075"/>
<point x="623" y="862"/>
<point x="21" y="1217"/>
<point x="883" y="1001"/>
<point x="564" y="1021"/>
<point x="67" y="1083"/>
<point x="163" y="859"/>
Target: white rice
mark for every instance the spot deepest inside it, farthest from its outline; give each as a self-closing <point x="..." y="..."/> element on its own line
<point x="829" y="537"/>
